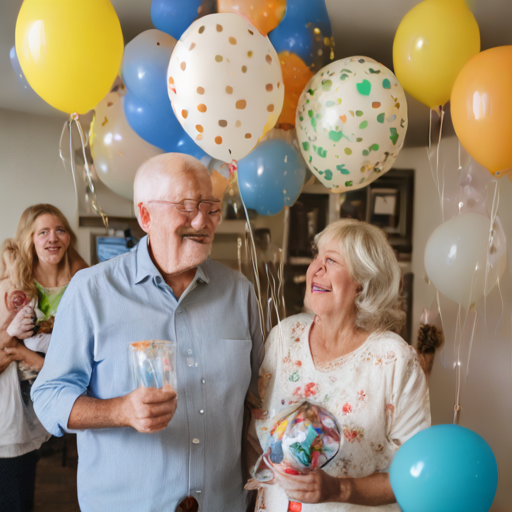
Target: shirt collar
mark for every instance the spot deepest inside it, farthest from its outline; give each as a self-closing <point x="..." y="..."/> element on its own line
<point x="146" y="267"/>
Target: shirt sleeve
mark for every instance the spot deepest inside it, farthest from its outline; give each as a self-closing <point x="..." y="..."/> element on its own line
<point x="409" y="410"/>
<point x="68" y="364"/>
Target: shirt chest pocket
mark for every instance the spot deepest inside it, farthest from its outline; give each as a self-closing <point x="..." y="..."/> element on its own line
<point x="229" y="370"/>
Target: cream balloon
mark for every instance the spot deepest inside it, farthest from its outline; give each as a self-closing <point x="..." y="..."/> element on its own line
<point x="457" y="256"/>
<point x="116" y="149"/>
<point x="225" y="85"/>
<point x="351" y="122"/>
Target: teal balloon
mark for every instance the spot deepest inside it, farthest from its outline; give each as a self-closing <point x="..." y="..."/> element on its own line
<point x="271" y="176"/>
<point x="445" y="468"/>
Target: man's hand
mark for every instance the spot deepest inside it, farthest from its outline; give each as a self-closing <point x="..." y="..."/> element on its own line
<point x="22" y="325"/>
<point x="148" y="410"/>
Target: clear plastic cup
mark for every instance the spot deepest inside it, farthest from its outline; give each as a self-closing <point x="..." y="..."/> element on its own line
<point x="153" y="363"/>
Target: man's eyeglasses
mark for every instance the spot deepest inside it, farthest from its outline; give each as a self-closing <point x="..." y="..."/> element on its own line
<point x="211" y="208"/>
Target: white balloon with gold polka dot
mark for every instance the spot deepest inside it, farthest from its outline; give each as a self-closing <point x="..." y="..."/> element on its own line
<point x="351" y="122"/>
<point x="225" y="85"/>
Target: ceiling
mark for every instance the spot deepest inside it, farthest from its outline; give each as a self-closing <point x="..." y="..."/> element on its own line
<point x="361" y="27"/>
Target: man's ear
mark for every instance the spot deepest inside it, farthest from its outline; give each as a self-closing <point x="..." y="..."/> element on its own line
<point x="144" y="218"/>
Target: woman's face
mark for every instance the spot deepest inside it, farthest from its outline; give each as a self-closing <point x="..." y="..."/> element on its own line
<point x="330" y="288"/>
<point x="50" y="238"/>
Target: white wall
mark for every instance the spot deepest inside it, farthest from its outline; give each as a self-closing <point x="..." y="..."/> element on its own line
<point x="486" y="392"/>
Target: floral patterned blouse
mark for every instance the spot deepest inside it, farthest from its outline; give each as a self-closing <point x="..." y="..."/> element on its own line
<point x="378" y="393"/>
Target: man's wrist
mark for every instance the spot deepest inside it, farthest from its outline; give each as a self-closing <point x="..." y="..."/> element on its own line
<point x="117" y="406"/>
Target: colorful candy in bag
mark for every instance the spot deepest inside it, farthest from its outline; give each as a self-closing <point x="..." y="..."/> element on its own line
<point x="304" y="437"/>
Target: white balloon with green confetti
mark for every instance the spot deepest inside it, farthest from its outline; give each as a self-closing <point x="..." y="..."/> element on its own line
<point x="351" y="122"/>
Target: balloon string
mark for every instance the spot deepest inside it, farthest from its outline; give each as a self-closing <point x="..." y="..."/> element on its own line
<point x="437" y="174"/>
<point x="254" y="261"/>
<point x="67" y="126"/>
<point x="90" y="192"/>
<point x="458" y="339"/>
<point x="471" y="341"/>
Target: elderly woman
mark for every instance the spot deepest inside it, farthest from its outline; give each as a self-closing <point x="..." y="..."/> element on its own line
<point x="347" y="357"/>
<point x="36" y="267"/>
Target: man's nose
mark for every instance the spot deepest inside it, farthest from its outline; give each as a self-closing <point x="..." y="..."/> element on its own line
<point x="199" y="220"/>
<point x="53" y="236"/>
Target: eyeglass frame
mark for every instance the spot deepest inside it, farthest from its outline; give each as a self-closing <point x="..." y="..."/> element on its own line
<point x="194" y="211"/>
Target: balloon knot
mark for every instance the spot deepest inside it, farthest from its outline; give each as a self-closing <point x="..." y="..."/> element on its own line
<point x="74" y="116"/>
<point x="233" y="167"/>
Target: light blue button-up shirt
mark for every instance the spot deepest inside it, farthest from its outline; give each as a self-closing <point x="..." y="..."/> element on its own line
<point x="216" y="328"/>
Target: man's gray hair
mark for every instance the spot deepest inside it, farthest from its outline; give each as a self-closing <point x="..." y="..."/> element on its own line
<point x="151" y="178"/>
<point x="372" y="263"/>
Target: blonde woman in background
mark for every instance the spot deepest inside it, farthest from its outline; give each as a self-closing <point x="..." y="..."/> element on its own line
<point x="347" y="357"/>
<point x="36" y="267"/>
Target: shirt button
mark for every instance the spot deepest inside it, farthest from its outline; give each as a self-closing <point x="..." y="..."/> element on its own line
<point x="190" y="361"/>
<point x="180" y="311"/>
<point x="198" y="491"/>
<point x="203" y="381"/>
<point x="201" y="411"/>
<point x="189" y="352"/>
<point x="195" y="440"/>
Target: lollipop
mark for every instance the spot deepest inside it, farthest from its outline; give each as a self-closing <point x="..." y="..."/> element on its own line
<point x="304" y="437"/>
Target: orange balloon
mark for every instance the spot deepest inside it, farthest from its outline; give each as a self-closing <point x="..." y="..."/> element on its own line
<point x="265" y="15"/>
<point x="296" y="75"/>
<point x="481" y="107"/>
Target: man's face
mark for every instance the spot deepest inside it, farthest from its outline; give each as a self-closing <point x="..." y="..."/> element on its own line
<point x="181" y="241"/>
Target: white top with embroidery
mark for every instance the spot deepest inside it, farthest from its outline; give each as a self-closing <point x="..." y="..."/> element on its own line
<point x="378" y="393"/>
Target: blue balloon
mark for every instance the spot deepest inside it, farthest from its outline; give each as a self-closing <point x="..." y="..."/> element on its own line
<point x="174" y="16"/>
<point x="159" y="126"/>
<point x="303" y="30"/>
<point x="271" y="176"/>
<point x="445" y="468"/>
<point x="145" y="62"/>
<point x="15" y="63"/>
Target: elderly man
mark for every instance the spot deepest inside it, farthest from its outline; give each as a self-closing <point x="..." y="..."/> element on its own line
<point x="146" y="449"/>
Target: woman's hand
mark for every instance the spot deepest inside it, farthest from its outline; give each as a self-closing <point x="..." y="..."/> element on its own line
<point x="315" y="487"/>
<point x="22" y="325"/>
<point x="5" y="360"/>
<point x="19" y="352"/>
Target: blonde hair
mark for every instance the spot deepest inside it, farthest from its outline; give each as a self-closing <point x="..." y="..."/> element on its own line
<point x="19" y="257"/>
<point x="372" y="264"/>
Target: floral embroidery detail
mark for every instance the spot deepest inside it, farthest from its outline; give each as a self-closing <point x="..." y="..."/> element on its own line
<point x="294" y="377"/>
<point x="378" y="361"/>
<point x="361" y="396"/>
<point x="286" y="360"/>
<point x="297" y="331"/>
<point x="346" y="409"/>
<point x="390" y="407"/>
<point x="309" y="389"/>
<point x="298" y="363"/>
<point x="353" y="434"/>
<point x="332" y="378"/>
<point x="377" y="448"/>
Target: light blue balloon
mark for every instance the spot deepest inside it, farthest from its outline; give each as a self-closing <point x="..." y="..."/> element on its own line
<point x="159" y="126"/>
<point x="271" y="176"/>
<point x="296" y="34"/>
<point x="145" y="62"/>
<point x="445" y="468"/>
<point x="15" y="63"/>
<point x="174" y="16"/>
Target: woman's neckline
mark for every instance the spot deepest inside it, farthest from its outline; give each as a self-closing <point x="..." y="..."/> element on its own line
<point x="324" y="366"/>
<point x="51" y="290"/>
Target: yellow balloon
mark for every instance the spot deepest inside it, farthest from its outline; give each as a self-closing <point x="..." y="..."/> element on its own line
<point x="69" y="50"/>
<point x="433" y="42"/>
